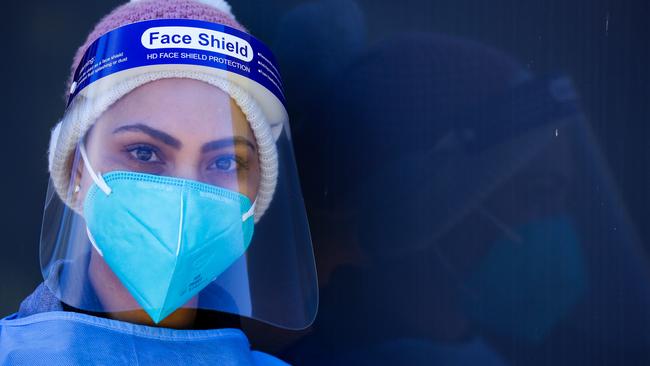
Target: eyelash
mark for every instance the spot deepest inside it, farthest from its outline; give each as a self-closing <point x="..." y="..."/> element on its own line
<point x="242" y="164"/>
<point x="133" y="149"/>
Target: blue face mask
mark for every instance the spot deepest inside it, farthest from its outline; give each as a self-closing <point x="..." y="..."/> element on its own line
<point x="529" y="280"/>
<point x="165" y="238"/>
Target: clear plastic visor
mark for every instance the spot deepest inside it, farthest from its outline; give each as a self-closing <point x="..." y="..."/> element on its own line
<point x="158" y="223"/>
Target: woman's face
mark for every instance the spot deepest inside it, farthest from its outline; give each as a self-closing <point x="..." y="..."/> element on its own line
<point x="172" y="127"/>
<point x="180" y="128"/>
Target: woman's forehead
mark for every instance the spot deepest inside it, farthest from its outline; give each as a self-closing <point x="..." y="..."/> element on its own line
<point x="185" y="108"/>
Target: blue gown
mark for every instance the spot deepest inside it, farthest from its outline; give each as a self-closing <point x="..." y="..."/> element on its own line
<point x="41" y="333"/>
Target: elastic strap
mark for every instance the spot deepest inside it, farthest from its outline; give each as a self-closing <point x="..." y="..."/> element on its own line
<point x="97" y="178"/>
<point x="250" y="212"/>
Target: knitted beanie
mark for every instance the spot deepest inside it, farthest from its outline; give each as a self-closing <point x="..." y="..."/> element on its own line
<point x="83" y="112"/>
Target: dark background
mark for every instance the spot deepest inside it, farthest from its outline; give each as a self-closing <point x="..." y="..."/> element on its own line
<point x="602" y="45"/>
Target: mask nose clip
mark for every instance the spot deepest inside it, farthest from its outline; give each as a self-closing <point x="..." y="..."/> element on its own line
<point x="96" y="177"/>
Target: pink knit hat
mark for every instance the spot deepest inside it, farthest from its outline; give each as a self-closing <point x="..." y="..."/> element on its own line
<point x="83" y="113"/>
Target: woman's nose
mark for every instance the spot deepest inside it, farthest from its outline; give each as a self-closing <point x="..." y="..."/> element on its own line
<point x="185" y="170"/>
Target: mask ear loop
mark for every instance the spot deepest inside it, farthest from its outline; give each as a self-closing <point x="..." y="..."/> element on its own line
<point x="250" y="213"/>
<point x="100" y="183"/>
<point x="97" y="178"/>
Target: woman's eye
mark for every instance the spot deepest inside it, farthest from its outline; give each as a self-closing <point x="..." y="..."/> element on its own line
<point x="225" y="164"/>
<point x="144" y="154"/>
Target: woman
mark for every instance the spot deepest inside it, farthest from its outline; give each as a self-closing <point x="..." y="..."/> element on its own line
<point x="173" y="205"/>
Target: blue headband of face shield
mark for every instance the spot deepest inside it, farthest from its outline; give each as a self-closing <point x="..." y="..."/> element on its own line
<point x="165" y="238"/>
<point x="204" y="44"/>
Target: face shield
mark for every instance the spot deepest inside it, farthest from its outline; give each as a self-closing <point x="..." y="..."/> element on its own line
<point x="173" y="189"/>
<point x="517" y="206"/>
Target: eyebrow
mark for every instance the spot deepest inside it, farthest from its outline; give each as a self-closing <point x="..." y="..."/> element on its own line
<point x="156" y="134"/>
<point x="175" y="143"/>
<point x="227" y="142"/>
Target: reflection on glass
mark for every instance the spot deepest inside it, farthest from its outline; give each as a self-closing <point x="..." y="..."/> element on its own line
<point x="466" y="217"/>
